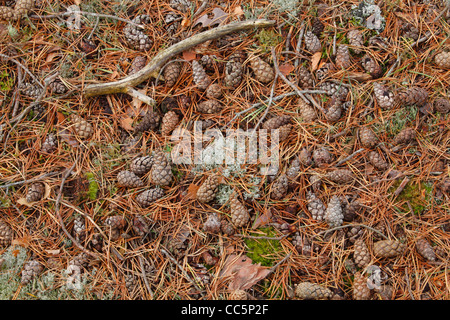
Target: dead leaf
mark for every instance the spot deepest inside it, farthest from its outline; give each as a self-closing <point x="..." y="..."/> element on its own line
<point x="192" y="191"/>
<point x="359" y="76"/>
<point x="315" y="59"/>
<point x="60" y="117"/>
<point x="263" y="219"/>
<point x="238" y="11"/>
<point x="219" y="16"/>
<point x="286" y="68"/>
<point x="68" y="137"/>
<point x="185" y="22"/>
<point x="127" y="123"/>
<point x="202" y="48"/>
<point x="189" y="55"/>
<point x="53" y="252"/>
<point x="24" y="201"/>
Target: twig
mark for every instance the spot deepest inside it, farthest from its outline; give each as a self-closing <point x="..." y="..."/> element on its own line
<point x="42" y="176"/>
<point x="407" y="284"/>
<point x="144" y="98"/>
<point x="299" y="45"/>
<point x="271" y="270"/>
<point x="352" y="225"/>
<point x="260" y="237"/>
<point x="121" y="86"/>
<point x="200" y="9"/>
<point x="339" y="134"/>
<point x="93" y="29"/>
<point x="295" y="53"/>
<point x="23" y="67"/>
<point x="401" y="186"/>
<point x="349" y="157"/>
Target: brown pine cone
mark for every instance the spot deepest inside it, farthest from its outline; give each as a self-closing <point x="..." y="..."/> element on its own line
<point x="350" y="266"/>
<point x="262" y="71"/>
<point x="57" y="86"/>
<point x="355" y="39"/>
<point x="315" y="182"/>
<point x="201" y="79"/>
<point x="361" y="253"/>
<point x="137" y="64"/>
<point x="425" y="249"/>
<point x="324" y="71"/>
<point x="238" y="56"/>
<point x="81" y="127"/>
<point x="409" y="31"/>
<point x="79" y="229"/>
<point x="276" y="122"/>
<point x="150" y="121"/>
<point x="367" y="137"/>
<point x="171" y="24"/>
<point x="141" y="225"/>
<point x="442" y="60"/>
<point x="31" y="269"/>
<point x="50" y="144"/>
<point x="371" y="66"/>
<point x="280" y="187"/>
<point x="312" y="42"/>
<point x="234" y="72"/>
<point x="388" y="248"/>
<point x="334" y="112"/>
<point x="207" y="191"/>
<point x="210" y="106"/>
<point x="208" y="62"/>
<point x="169" y="123"/>
<point x="334" y="90"/>
<point x="212" y="224"/>
<point x="294" y="169"/>
<point x="305" y="157"/>
<point x="239" y="213"/>
<point x="135" y="37"/>
<point x="22" y="8"/>
<point x="360" y="289"/>
<point x="35" y="192"/>
<point x="116" y="225"/>
<point x="341" y="176"/>
<point x="315" y="206"/>
<point x="226" y="227"/>
<point x="404" y="136"/>
<point x="161" y="173"/>
<point x="442" y="105"/>
<point x="238" y="294"/>
<point x="312" y="291"/>
<point x="7" y="13"/>
<point x="79" y="261"/>
<point x="321" y="156"/>
<point x="307" y="112"/>
<point x="148" y="197"/>
<point x="343" y="59"/>
<point x="6" y="234"/>
<point x="334" y="216"/>
<point x="412" y="96"/>
<point x="31" y="90"/>
<point x="317" y="26"/>
<point x="214" y="91"/>
<point x="284" y="131"/>
<point x="171" y="73"/>
<point x="384" y="96"/>
<point x="305" y="78"/>
<point x="128" y="179"/>
<point x="385" y="291"/>
<point x="302" y="244"/>
<point x="131" y="144"/>
<point x="377" y="160"/>
<point x="141" y="165"/>
<point x="351" y="209"/>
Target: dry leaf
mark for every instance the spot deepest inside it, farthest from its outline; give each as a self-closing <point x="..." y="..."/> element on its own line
<point x="315" y="59"/>
<point x="189" y="55"/>
<point x="359" y="76"/>
<point x="263" y="219"/>
<point x="53" y="252"/>
<point x="219" y="16"/>
<point x="127" y="123"/>
<point x="202" y="48"/>
<point x="286" y="68"/>
<point x="192" y="191"/>
<point x="238" y="11"/>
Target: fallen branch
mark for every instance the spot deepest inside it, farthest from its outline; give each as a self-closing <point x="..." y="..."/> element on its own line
<point x="123" y="85"/>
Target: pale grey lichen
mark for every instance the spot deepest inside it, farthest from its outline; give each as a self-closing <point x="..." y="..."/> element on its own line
<point x="367" y="13"/>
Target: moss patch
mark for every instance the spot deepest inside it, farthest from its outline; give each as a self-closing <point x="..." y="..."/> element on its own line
<point x="93" y="186"/>
<point x="418" y="196"/>
<point x="263" y="250"/>
<point x="268" y="39"/>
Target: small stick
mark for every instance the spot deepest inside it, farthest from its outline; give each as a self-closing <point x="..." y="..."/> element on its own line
<point x="339" y="134"/>
<point x="349" y="157"/>
<point x="4" y="56"/>
<point x="144" y="98"/>
<point x="401" y="186"/>
<point x="299" y="45"/>
<point x="352" y="225"/>
<point x="42" y="176"/>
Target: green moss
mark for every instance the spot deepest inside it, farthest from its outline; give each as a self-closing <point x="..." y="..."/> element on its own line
<point x="268" y="39"/>
<point x="93" y="186"/>
<point x="418" y="196"/>
<point x="263" y="251"/>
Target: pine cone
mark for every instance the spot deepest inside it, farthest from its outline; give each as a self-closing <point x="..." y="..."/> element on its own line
<point x="442" y="105"/>
<point x="350" y="266"/>
<point x="31" y="90"/>
<point x="137" y="64"/>
<point x="425" y="249"/>
<point x="50" y="144"/>
<point x="312" y="291"/>
<point x="315" y="182"/>
<point x="307" y="112"/>
<point x="280" y="187"/>
<point x="207" y="191"/>
<point x="317" y="27"/>
<point x="351" y="209"/>
<point x="404" y="136"/>
<point x="442" y="60"/>
<point x="302" y="244"/>
<point x="172" y="23"/>
<point x="128" y="179"/>
<point x="238" y="294"/>
<point x="79" y="229"/>
<point x="141" y="225"/>
<point x="312" y="42"/>
<point x="361" y="253"/>
<point x="315" y="206"/>
<point x="377" y="160"/>
<point x="343" y="59"/>
<point x="294" y="169"/>
<point x="238" y="56"/>
<point x="234" y="72"/>
<point x="161" y="173"/>
<point x="81" y="127"/>
<point x="239" y="213"/>
<point x="131" y="144"/>
<point x="135" y="37"/>
<point x="360" y="289"/>
<point x="141" y="165"/>
<point x="214" y="91"/>
<point x="150" y="121"/>
<point x="226" y="227"/>
<point x="371" y="66"/>
<point x="208" y="62"/>
<point x="305" y="157"/>
<point x="22" y="8"/>
<point x="334" y="216"/>
<point x="305" y="78"/>
<point x="388" y="248"/>
<point x="116" y="224"/>
<point x="35" y="192"/>
<point x="57" y="86"/>
<point x="324" y="71"/>
<point x="6" y="234"/>
<point x="7" y="13"/>
<point x="31" y="269"/>
<point x="334" y="90"/>
<point x="355" y="39"/>
<point x="210" y="106"/>
<point x="212" y="224"/>
<point x="262" y="71"/>
<point x="334" y="112"/>
<point x="171" y="73"/>
<point x="321" y="156"/>
<point x="201" y="79"/>
<point x="367" y="137"/>
<point x="409" y="31"/>
<point x="384" y="96"/>
<point x="385" y="291"/>
<point x="276" y="122"/>
<point x="80" y="261"/>
<point x="412" y="96"/>
<point x="341" y="176"/>
<point x="169" y="123"/>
